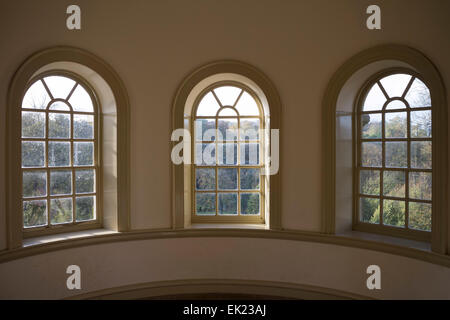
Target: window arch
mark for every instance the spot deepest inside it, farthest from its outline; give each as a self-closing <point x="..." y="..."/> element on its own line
<point x="60" y="152"/>
<point x="228" y="152"/>
<point x="394" y="155"/>
<point x="253" y="88"/>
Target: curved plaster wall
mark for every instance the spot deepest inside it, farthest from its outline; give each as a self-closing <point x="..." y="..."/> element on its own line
<point x="300" y="263"/>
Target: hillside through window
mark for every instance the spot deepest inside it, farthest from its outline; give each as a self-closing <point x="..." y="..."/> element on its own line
<point x="394" y="171"/>
<point x="59" y="153"/>
<point x="227" y="180"/>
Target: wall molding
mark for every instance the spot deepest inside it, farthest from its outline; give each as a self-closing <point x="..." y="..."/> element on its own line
<point x="426" y="256"/>
<point x="161" y="289"/>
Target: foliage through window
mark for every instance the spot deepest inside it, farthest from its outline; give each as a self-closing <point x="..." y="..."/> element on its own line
<point x="395" y="154"/>
<point x="59" y="153"/>
<point x="227" y="180"/>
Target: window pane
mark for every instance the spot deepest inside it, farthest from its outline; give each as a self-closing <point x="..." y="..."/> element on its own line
<point x="228" y="129"/>
<point x="395" y="84"/>
<point x="61" y="210"/>
<point x="60" y="182"/>
<point x="371" y="154"/>
<point x="205" y="129"/>
<point x="371" y="126"/>
<point x="205" y="179"/>
<point x="249" y="179"/>
<point x="394" y="183"/>
<point x="227" y="112"/>
<point x="83" y="126"/>
<point x="59" y="105"/>
<point x="227" y="95"/>
<point x="83" y="154"/>
<point x="249" y="153"/>
<point x="36" y="97"/>
<point x="228" y="203"/>
<point x="370" y="182"/>
<point x="249" y="129"/>
<point x="250" y="203"/>
<point x="81" y="101"/>
<point x="34" y="213"/>
<point x="420" y="185"/>
<point x="395" y="104"/>
<point x="394" y="213"/>
<point x="85" y="181"/>
<point x="205" y="204"/>
<point x="33" y="124"/>
<point x="369" y="210"/>
<point x="375" y="99"/>
<point x="418" y="95"/>
<point x="205" y="154"/>
<point x="421" y="154"/>
<point x="420" y="216"/>
<point x="34" y="184"/>
<point x="58" y="154"/>
<point x="227" y="153"/>
<point x="208" y="106"/>
<point x="247" y="106"/>
<point x="227" y="179"/>
<point x="395" y="125"/>
<point x="33" y="154"/>
<point x="396" y="155"/>
<point x="59" y="86"/>
<point x="421" y="124"/>
<point x="85" y="208"/>
<point x="59" y="125"/>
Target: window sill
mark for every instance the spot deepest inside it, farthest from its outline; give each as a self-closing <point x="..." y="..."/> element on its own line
<point x="354" y="239"/>
<point x="227" y="226"/>
<point x="66" y="236"/>
<point x="407" y="243"/>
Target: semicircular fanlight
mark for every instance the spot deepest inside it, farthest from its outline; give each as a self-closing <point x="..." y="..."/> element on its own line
<point x="59" y="106"/>
<point x="395" y="104"/>
<point x="227" y="112"/>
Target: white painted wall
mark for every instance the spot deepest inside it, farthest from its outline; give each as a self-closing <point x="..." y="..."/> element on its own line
<point x="119" y="264"/>
<point x="153" y="45"/>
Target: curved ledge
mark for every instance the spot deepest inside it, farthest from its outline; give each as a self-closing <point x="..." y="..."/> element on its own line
<point x="426" y="256"/>
<point x="161" y="289"/>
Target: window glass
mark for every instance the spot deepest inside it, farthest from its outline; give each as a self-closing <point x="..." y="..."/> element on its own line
<point x="227" y="169"/>
<point x="58" y="153"/>
<point x="395" y="154"/>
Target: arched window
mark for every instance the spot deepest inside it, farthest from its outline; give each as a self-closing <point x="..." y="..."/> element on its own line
<point x="394" y="154"/>
<point x="386" y="138"/>
<point x="60" y="158"/>
<point x="68" y="148"/>
<point x="228" y="149"/>
<point x="230" y="116"/>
